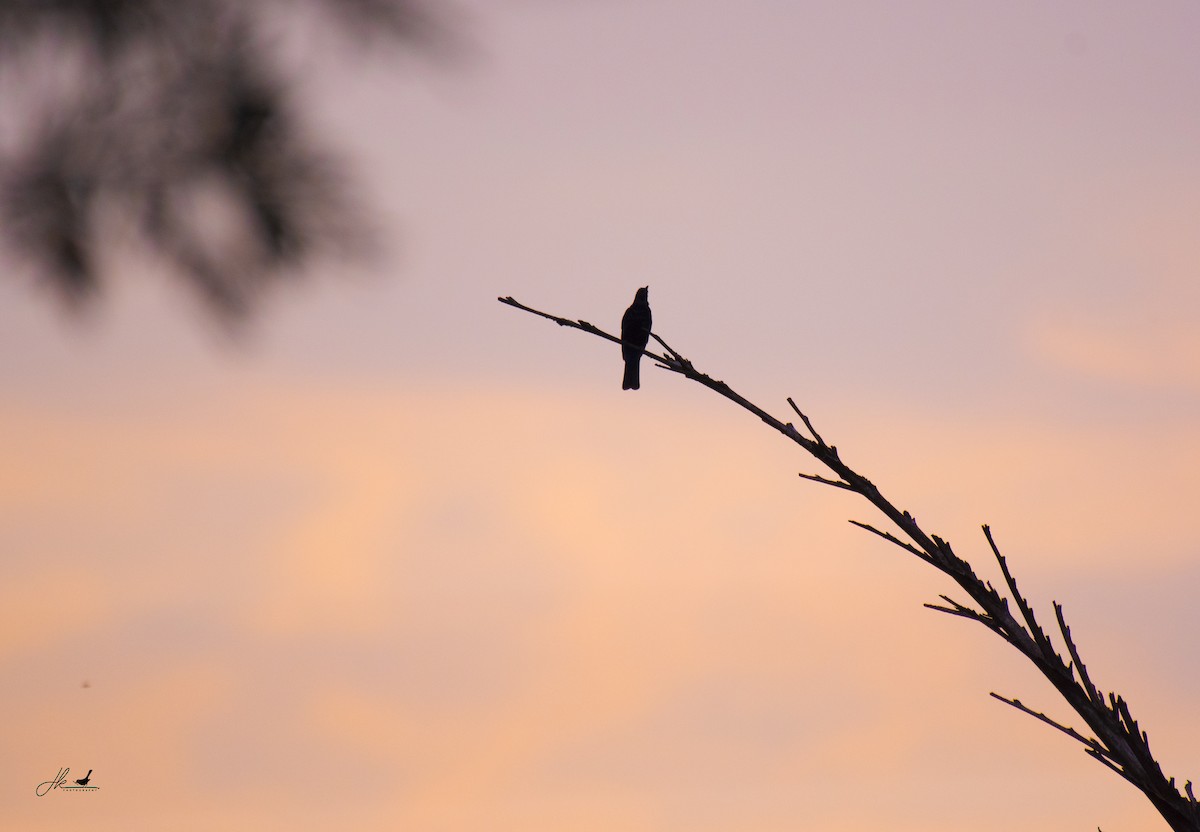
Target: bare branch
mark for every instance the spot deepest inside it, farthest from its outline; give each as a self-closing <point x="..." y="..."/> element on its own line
<point x="586" y="327"/>
<point x="1119" y="743"/>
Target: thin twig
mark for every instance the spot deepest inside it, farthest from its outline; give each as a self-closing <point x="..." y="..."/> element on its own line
<point x="807" y="423"/>
<point x="891" y="538"/>
<point x="1092" y="693"/>
<point x="678" y="358"/>
<point x="827" y="481"/>
<point x="1070" y="732"/>
<point x="1035" y="630"/>
<point x="961" y="610"/>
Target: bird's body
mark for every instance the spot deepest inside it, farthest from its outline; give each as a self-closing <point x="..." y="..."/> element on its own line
<point x="83" y="781"/>
<point x="635" y="334"/>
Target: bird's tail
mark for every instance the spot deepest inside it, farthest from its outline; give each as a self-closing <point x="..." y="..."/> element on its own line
<point x="632" y="380"/>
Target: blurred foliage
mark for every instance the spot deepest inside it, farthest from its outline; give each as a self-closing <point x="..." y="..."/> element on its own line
<point x="172" y="117"/>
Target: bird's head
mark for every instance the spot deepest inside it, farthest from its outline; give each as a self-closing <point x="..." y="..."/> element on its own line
<point x="643" y="295"/>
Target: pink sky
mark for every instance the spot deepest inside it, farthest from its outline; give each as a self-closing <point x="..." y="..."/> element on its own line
<point x="409" y="559"/>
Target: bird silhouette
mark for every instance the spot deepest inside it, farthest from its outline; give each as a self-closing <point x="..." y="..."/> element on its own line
<point x="635" y="334"/>
<point x="83" y="781"/>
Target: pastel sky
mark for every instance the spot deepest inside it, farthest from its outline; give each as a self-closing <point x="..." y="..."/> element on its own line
<point x="405" y="558"/>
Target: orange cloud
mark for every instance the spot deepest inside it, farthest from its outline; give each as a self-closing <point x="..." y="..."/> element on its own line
<point x="1165" y="356"/>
